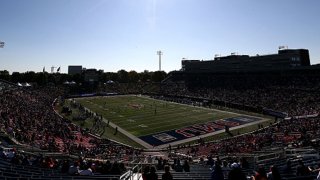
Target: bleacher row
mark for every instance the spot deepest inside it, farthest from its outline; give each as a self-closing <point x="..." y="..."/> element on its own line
<point x="309" y="157"/>
<point x="9" y="171"/>
<point x="197" y="172"/>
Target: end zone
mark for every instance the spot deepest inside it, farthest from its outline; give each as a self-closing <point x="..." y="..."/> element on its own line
<point x="189" y="133"/>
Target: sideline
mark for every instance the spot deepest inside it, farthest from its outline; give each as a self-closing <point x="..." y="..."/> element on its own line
<point x="129" y="135"/>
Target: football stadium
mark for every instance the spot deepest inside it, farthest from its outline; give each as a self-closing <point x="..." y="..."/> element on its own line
<point x="103" y="112"/>
<point x="241" y="121"/>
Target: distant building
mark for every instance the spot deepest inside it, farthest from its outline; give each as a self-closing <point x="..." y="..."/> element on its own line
<point x="74" y="70"/>
<point x="91" y="75"/>
<point x="285" y="59"/>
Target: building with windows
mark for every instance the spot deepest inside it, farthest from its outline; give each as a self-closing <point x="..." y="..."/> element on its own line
<point x="74" y="70"/>
<point x="91" y="75"/>
<point x="284" y="59"/>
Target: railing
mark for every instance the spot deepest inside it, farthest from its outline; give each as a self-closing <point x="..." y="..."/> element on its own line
<point x="268" y="157"/>
<point x="301" y="152"/>
<point x="133" y="173"/>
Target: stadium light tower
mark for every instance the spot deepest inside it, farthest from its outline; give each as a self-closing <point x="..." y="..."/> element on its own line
<point x="159" y="53"/>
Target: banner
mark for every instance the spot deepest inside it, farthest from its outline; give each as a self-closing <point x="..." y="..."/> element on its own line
<point x="274" y="113"/>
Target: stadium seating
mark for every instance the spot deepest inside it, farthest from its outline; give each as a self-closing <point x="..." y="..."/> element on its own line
<point x="27" y="117"/>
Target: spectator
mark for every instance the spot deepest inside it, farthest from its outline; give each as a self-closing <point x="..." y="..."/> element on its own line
<point x="302" y="170"/>
<point x="86" y="172"/>
<point x="186" y="166"/>
<point x="274" y="174"/>
<point x="146" y="172"/>
<point x="225" y="169"/>
<point x="287" y="169"/>
<point x="260" y="174"/>
<point x="115" y="170"/>
<point x="236" y="174"/>
<point x="178" y="167"/>
<point x="216" y="173"/>
<point x="152" y="175"/>
<point x="74" y="169"/>
<point x="65" y="166"/>
<point x="160" y="163"/>
<point x="167" y="175"/>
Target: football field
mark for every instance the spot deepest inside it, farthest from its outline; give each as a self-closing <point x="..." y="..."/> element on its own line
<point x="159" y="122"/>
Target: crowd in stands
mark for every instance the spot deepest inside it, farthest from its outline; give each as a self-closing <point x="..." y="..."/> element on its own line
<point x="290" y="100"/>
<point x="68" y="166"/>
<point x="295" y="97"/>
<point x="128" y="88"/>
<point x="291" y="132"/>
<point x="28" y="117"/>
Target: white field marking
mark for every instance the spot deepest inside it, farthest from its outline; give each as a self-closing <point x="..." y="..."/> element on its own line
<point x="196" y="110"/>
<point x="142" y="125"/>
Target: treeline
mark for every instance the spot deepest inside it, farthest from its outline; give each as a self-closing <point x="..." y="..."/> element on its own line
<point x="44" y="78"/>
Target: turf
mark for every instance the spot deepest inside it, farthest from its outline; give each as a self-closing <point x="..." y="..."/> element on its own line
<point x="142" y="116"/>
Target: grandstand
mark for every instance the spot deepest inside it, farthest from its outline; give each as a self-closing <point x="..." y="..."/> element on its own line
<point x="41" y="140"/>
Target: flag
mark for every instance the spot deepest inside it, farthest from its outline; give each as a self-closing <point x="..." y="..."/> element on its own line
<point x="58" y="70"/>
<point x="1" y="44"/>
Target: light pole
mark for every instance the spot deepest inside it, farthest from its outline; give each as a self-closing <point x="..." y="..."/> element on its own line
<point x="159" y="53"/>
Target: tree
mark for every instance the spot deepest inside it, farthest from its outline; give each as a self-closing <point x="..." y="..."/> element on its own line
<point x="29" y="76"/>
<point x="5" y="75"/>
<point x="123" y="76"/>
<point x="158" y="76"/>
<point x="145" y="76"/>
<point x="111" y="76"/>
<point x="133" y="76"/>
<point x="16" y="77"/>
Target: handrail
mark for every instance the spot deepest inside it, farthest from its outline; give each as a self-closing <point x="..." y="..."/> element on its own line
<point x="129" y="175"/>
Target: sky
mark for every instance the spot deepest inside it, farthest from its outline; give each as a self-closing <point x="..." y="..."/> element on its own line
<point x="126" y="34"/>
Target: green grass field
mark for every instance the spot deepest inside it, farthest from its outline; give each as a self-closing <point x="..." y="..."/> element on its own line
<point x="142" y="116"/>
